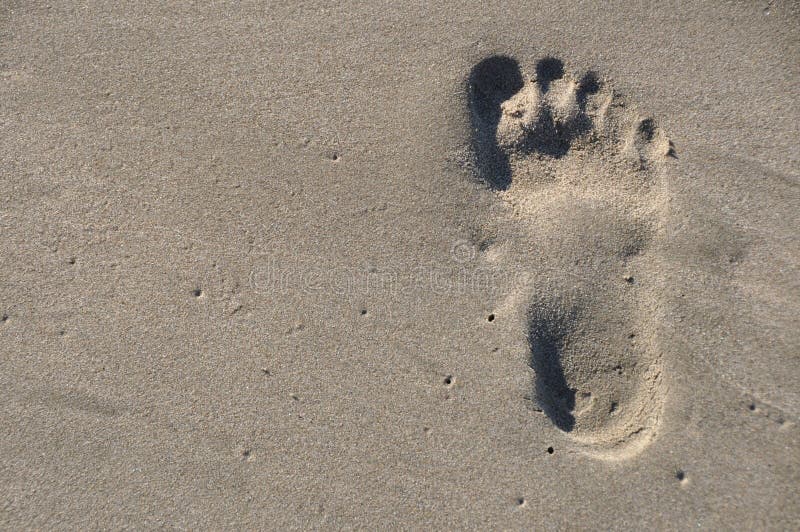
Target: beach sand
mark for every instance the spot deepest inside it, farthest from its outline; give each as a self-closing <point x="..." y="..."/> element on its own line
<point x="393" y="265"/>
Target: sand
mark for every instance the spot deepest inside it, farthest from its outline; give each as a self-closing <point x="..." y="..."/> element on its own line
<point x="400" y="266"/>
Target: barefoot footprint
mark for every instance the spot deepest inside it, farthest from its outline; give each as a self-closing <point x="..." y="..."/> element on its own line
<point x="579" y="174"/>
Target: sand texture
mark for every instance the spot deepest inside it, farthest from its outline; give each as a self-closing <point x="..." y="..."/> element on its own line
<point x="394" y="265"/>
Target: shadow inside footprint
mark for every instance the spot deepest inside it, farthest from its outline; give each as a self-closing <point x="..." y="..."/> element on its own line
<point x="491" y="82"/>
<point x="495" y="80"/>
<point x="547" y="70"/>
<point x="547" y="335"/>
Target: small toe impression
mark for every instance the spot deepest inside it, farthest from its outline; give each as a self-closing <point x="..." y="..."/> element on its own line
<point x="589" y="83"/>
<point x="548" y="70"/>
<point x="647" y="144"/>
<point x="646" y="130"/>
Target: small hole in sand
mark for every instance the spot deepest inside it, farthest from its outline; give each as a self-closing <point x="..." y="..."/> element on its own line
<point x="681" y="476"/>
<point x="71" y="260"/>
<point x="363" y="312"/>
<point x="490" y="318"/>
<point x="550" y="450"/>
<point x="334" y="157"/>
<point x="448" y="380"/>
<point x="613" y="407"/>
<point x="752" y="407"/>
<point x="520" y="501"/>
<point x="246" y="453"/>
<point x="4" y="318"/>
<point x="197" y="292"/>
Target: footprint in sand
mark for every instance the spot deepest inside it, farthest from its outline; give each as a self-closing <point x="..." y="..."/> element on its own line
<point x="579" y="174"/>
